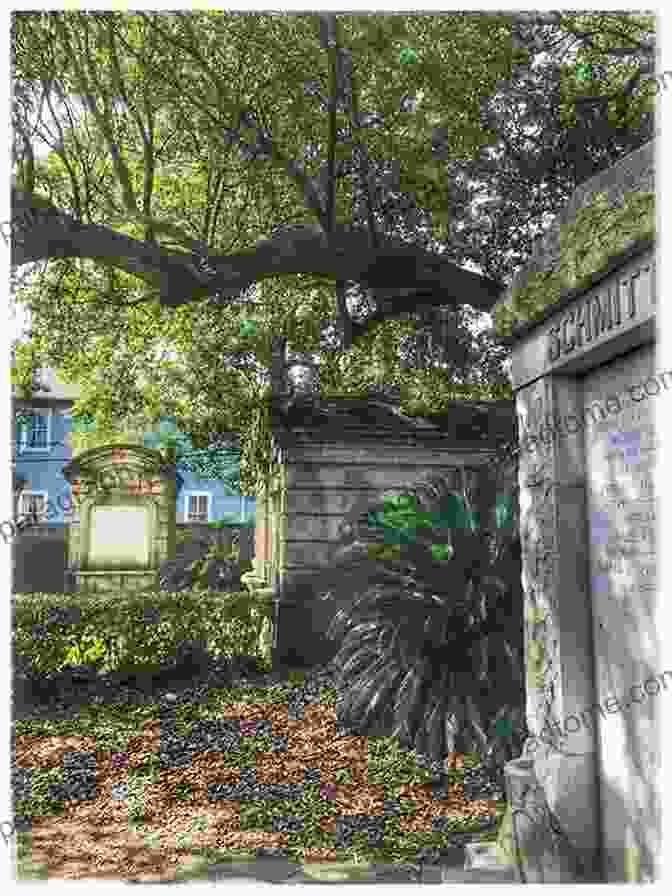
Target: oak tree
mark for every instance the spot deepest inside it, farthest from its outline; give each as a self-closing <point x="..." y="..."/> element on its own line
<point x="221" y="186"/>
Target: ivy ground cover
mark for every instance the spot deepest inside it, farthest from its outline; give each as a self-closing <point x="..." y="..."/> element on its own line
<point x="129" y="792"/>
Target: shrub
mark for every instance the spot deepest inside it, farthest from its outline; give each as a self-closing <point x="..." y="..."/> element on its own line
<point x="435" y="631"/>
<point x="79" y="654"/>
<point x="203" y="565"/>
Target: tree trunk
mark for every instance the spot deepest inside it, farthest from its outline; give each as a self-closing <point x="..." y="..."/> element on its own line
<point x="278" y="367"/>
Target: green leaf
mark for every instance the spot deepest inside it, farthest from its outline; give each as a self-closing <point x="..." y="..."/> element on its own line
<point x="441" y="552"/>
<point x="584" y="72"/>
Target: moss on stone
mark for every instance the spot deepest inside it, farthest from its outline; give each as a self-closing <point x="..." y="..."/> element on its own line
<point x="384" y="552"/>
<point x="599" y="233"/>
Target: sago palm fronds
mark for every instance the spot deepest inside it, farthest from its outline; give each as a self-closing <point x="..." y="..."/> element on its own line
<point x="435" y="627"/>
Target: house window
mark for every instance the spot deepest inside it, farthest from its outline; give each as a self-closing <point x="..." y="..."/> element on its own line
<point x="33" y="503"/>
<point x="35" y="433"/>
<point x="197" y="508"/>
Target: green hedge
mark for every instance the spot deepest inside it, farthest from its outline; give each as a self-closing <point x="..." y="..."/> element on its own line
<point x="149" y="625"/>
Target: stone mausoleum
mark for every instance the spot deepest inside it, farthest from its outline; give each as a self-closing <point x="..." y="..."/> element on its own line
<point x="332" y="459"/>
<point x="580" y="319"/>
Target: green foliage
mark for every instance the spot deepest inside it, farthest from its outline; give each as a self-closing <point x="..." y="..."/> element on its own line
<point x="184" y="791"/>
<point x="584" y="72"/>
<point x="408" y="56"/>
<point x="44" y="626"/>
<point x="441" y="552"/>
<point x="136" y="801"/>
<point x="208" y="463"/>
<point x="230" y="520"/>
<point x="400" y="513"/>
<point x="389" y="761"/>
<point x="25" y="367"/>
<point x="208" y="365"/>
<point x="23" y="421"/>
<point x="95" y="653"/>
<point x="218" y="568"/>
<point x="83" y="423"/>
<point x="430" y="80"/>
<point x="504" y="512"/>
<point x="400" y="518"/>
<point x="248" y="328"/>
<point x="43" y="801"/>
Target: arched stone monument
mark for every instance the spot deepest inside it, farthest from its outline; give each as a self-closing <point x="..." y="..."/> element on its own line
<point x="123" y="523"/>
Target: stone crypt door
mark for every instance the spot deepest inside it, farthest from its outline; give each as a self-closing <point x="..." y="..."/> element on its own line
<point x="621" y="513"/>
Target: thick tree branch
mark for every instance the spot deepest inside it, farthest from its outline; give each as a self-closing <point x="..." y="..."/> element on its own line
<point x="42" y="231"/>
<point x="332" y="49"/>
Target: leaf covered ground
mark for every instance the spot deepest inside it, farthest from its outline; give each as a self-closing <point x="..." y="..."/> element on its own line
<point x="127" y="791"/>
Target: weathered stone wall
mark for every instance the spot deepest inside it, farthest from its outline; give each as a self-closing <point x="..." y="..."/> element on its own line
<point x="331" y="483"/>
<point x="39" y="557"/>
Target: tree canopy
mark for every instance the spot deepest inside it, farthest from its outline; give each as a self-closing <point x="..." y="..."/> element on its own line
<point x="248" y="89"/>
<point x="222" y="185"/>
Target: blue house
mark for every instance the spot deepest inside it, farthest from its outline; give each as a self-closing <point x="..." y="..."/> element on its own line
<point x="42" y="447"/>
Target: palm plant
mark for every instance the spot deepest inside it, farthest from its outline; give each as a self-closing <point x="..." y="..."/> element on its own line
<point x="435" y="633"/>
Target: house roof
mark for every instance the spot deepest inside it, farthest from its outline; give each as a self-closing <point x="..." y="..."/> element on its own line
<point x="342" y="418"/>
